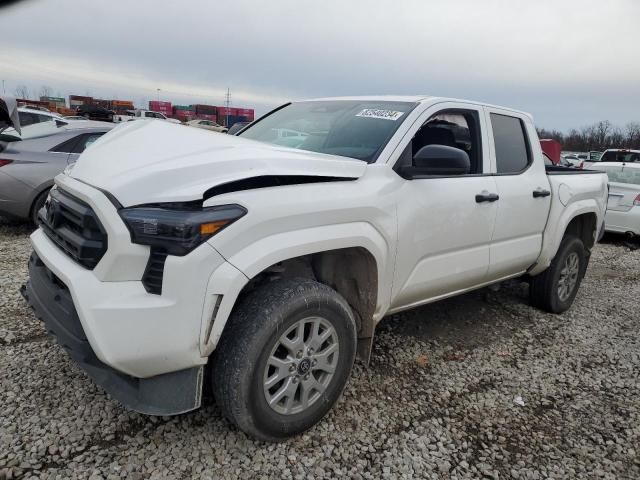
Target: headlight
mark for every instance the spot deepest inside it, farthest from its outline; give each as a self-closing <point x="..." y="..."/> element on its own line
<point x="178" y="230"/>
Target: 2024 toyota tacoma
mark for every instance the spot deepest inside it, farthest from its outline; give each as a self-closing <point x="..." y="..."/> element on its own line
<point x="269" y="258"/>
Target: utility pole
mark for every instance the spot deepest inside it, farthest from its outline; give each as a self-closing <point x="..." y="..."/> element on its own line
<point x="3" y="89"/>
<point x="227" y="103"/>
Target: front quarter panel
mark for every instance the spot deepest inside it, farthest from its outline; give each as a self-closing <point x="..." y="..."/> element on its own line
<point x="290" y="221"/>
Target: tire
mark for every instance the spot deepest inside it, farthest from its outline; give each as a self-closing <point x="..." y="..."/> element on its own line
<point x="37" y="205"/>
<point x="545" y="289"/>
<point x="253" y="340"/>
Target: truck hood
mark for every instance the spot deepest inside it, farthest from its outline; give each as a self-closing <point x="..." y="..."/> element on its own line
<point x="154" y="162"/>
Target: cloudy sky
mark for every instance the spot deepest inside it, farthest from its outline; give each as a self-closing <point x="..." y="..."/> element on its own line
<point x="569" y="62"/>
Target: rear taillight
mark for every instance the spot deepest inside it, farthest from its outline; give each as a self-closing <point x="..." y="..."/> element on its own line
<point x="636" y="202"/>
<point x="5" y="161"/>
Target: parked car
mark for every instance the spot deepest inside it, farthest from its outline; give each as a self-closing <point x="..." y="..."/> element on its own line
<point x="27" y="167"/>
<point x="73" y="117"/>
<point x="35" y="124"/>
<point x="207" y="125"/>
<point x="283" y="260"/>
<point x="130" y="115"/>
<point x="614" y="155"/>
<point x="620" y="155"/>
<point x="623" y="207"/>
<point x="236" y="127"/>
<point x="95" y="112"/>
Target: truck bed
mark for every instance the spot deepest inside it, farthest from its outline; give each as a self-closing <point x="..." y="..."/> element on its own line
<point x="560" y="170"/>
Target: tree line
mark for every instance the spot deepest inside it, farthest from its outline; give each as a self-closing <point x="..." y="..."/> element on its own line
<point x="599" y="136"/>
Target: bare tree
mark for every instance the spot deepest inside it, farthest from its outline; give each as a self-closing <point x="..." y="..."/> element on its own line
<point x="22" y="91"/>
<point x="46" y="91"/>
<point x="632" y="134"/>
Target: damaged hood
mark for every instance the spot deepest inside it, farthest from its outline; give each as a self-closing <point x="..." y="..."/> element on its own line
<point x="152" y="162"/>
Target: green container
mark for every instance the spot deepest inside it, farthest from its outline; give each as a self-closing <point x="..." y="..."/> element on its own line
<point x="52" y="99"/>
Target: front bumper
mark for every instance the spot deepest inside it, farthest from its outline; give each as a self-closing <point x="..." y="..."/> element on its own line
<point x="166" y="394"/>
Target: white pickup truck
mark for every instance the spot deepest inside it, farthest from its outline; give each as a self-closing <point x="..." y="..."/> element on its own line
<point x="166" y="250"/>
<point x="139" y="114"/>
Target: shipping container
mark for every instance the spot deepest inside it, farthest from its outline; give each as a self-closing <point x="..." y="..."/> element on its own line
<point x="184" y="114"/>
<point x="161" y="107"/>
<point x="77" y="100"/>
<point x="184" y="107"/>
<point x="205" y="109"/>
<point x="66" y="111"/>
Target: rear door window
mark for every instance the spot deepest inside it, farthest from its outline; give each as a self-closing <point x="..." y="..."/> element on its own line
<point x="86" y="140"/>
<point x="620" y="156"/>
<point x="511" y="145"/>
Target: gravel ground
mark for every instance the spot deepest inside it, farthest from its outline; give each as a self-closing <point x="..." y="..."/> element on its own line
<point x="441" y="398"/>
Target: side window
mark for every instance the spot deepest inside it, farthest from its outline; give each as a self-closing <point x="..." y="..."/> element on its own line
<point x="44" y="118"/>
<point x="512" y="150"/>
<point x="27" y="119"/>
<point x="66" y="146"/>
<point x="452" y="128"/>
<point x="86" y="140"/>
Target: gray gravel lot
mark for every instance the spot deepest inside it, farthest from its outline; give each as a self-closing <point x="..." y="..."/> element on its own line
<point x="438" y="400"/>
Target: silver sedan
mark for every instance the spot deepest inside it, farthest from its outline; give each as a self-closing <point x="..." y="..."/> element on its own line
<point x="623" y="208"/>
<point x="27" y="167"/>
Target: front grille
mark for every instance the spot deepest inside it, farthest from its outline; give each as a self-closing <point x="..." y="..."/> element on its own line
<point x="152" y="278"/>
<point x="74" y="227"/>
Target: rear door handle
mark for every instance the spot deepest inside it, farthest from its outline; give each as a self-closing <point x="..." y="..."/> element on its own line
<point x="485" y="196"/>
<point x="539" y="192"/>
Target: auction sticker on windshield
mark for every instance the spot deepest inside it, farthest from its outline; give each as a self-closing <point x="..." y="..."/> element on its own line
<point x="382" y="114"/>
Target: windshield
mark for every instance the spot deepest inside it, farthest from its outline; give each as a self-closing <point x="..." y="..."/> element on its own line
<point x="356" y="129"/>
<point x="620" y="156"/>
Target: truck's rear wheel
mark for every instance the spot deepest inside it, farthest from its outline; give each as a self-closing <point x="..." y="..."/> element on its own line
<point x="555" y="289"/>
<point x="284" y="358"/>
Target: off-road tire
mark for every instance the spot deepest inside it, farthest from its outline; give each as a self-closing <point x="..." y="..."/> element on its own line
<point x="243" y="351"/>
<point x="543" y="289"/>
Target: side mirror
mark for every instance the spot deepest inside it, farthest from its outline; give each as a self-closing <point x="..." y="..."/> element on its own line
<point x="437" y="160"/>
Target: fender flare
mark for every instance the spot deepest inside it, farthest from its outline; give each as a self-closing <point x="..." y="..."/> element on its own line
<point x="226" y="283"/>
<point x="554" y="235"/>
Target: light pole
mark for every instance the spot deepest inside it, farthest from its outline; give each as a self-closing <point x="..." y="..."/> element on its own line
<point x="3" y="90"/>
<point x="158" y="93"/>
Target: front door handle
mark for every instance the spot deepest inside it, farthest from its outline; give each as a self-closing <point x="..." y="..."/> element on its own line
<point x="485" y="196"/>
<point x="539" y="192"/>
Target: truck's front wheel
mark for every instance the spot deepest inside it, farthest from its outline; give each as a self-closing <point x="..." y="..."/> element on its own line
<point x="555" y="289"/>
<point x="284" y="358"/>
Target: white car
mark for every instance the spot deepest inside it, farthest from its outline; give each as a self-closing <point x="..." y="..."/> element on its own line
<point x="282" y="260"/>
<point x="37" y="123"/>
<point x="623" y="208"/>
<point x="207" y="125"/>
<point x="613" y="155"/>
<point x="139" y="114"/>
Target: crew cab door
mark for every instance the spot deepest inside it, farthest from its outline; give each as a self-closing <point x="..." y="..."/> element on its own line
<point x="444" y="223"/>
<point x="524" y="190"/>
